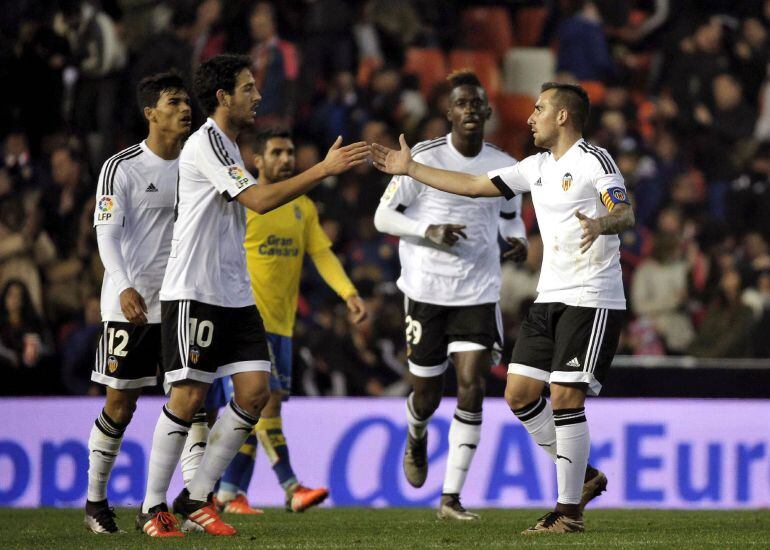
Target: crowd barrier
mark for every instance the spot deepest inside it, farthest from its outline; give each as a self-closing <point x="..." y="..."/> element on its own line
<point x="657" y="453"/>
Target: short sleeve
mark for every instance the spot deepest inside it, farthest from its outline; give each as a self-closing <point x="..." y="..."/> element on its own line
<point x="401" y="192"/>
<point x="511" y="209"/>
<point x="512" y="180"/>
<point x="112" y="197"/>
<point x="227" y="175"/>
<point x="608" y="181"/>
<point x="315" y="237"/>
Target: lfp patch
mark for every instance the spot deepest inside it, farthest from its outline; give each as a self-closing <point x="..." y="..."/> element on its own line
<point x="391" y="190"/>
<point x="106" y="204"/>
<point x="237" y="174"/>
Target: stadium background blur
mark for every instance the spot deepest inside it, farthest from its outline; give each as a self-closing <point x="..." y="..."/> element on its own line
<point x="680" y="98"/>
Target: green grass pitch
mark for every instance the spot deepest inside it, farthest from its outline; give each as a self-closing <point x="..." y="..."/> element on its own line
<point x="404" y="528"/>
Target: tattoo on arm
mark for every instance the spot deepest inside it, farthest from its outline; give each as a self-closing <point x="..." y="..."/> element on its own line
<point x="617" y="221"/>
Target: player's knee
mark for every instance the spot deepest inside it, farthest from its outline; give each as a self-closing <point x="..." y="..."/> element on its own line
<point x="187" y="398"/>
<point x="253" y="398"/>
<point x="567" y="397"/>
<point x="518" y="398"/>
<point x="426" y="402"/>
<point x="120" y="406"/>
<point x="470" y="394"/>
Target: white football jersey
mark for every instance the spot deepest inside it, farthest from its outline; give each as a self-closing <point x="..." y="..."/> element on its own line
<point x="136" y="190"/>
<point x="207" y="261"/>
<point x="584" y="179"/>
<point x="467" y="273"/>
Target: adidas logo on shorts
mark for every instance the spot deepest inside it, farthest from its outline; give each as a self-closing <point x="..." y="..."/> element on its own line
<point x="151" y="188"/>
<point x="574" y="363"/>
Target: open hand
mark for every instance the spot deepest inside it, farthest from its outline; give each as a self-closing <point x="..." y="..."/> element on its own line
<point x="591" y="229"/>
<point x="391" y="161"/>
<point x="518" y="251"/>
<point x="445" y="233"/>
<point x="133" y="307"/>
<point x="339" y="159"/>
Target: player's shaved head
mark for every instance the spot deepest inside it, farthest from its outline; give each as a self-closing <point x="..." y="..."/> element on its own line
<point x="571" y="97"/>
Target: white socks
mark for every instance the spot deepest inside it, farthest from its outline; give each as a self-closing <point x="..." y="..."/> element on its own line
<point x="573" y="446"/>
<point x="228" y="434"/>
<point x="195" y="446"/>
<point x="464" y="436"/>
<point x="417" y="426"/>
<point x="103" y="446"/>
<point x="537" y="418"/>
<point x="167" y="444"/>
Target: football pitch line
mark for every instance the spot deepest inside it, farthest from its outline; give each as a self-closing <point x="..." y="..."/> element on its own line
<point x="364" y="528"/>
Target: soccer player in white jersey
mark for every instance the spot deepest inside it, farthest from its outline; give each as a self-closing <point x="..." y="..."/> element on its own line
<point x="209" y="322"/>
<point x="450" y="276"/>
<point x="571" y="333"/>
<point x="133" y="220"/>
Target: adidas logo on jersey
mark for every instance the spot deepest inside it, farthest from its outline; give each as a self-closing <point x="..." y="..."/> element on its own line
<point x="151" y="188"/>
<point x="574" y="362"/>
<point x="539" y="181"/>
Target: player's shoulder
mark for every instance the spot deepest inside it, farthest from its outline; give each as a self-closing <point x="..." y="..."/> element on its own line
<point x="117" y="164"/>
<point x="429" y="147"/>
<point x="127" y="155"/>
<point x="596" y="158"/>
<point x="208" y="139"/>
<point x="497" y="153"/>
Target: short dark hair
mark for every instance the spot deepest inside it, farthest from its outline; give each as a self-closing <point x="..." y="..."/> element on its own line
<point x="150" y="88"/>
<point x="217" y="73"/>
<point x="463" y="77"/>
<point x="573" y="98"/>
<point x="258" y="140"/>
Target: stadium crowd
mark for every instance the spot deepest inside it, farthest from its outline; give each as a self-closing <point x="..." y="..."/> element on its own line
<point x="680" y="99"/>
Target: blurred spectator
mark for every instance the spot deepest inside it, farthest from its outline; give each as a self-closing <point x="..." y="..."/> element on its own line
<point x="327" y="44"/>
<point x="77" y="350"/>
<point x="24" y="343"/>
<point x="754" y="260"/>
<point x="748" y="198"/>
<point x="97" y="55"/>
<point x="275" y="64"/>
<point x="750" y="52"/>
<point x="726" y="328"/>
<point x="722" y="138"/>
<point x="659" y="293"/>
<point x="690" y="70"/>
<point x="758" y="299"/>
<point x="583" y="50"/>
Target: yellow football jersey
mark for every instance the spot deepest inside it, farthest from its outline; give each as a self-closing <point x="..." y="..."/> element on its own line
<point x="275" y="244"/>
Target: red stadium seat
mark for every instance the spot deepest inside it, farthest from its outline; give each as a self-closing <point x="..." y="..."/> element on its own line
<point x="366" y="68"/>
<point x="430" y="66"/>
<point x="596" y="91"/>
<point x="529" y="25"/>
<point x="514" y="110"/>
<point x="487" y="28"/>
<point x="483" y="63"/>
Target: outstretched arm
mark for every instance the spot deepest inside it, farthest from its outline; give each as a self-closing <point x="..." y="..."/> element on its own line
<point x="400" y="162"/>
<point x="264" y="198"/>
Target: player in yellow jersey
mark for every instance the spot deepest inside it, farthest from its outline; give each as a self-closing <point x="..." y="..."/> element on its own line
<point x="275" y="244"/>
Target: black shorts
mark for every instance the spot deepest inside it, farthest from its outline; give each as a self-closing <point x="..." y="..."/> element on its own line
<point x="433" y="332"/>
<point x="568" y="344"/>
<point x="204" y="342"/>
<point x="128" y="356"/>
